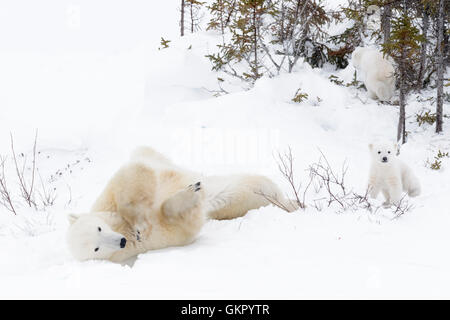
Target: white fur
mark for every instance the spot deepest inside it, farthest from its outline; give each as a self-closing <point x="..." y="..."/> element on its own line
<point x="155" y="204"/>
<point x="377" y="72"/>
<point x="97" y="239"/>
<point x="390" y="175"/>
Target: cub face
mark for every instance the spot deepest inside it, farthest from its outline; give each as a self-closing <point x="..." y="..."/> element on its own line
<point x="383" y="153"/>
<point x="90" y="237"/>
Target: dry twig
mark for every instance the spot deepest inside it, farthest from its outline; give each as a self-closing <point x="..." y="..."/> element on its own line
<point x="5" y="194"/>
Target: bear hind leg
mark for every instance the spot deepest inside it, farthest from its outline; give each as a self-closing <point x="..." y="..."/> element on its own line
<point x="246" y="193"/>
<point x="411" y="184"/>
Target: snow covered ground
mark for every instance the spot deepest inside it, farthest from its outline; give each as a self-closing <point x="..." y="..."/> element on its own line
<point x="89" y="76"/>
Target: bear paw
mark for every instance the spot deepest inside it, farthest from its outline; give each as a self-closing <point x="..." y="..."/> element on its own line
<point x="183" y="201"/>
<point x="195" y="187"/>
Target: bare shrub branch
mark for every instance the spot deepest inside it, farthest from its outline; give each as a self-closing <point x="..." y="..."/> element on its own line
<point x="47" y="197"/>
<point x="5" y="194"/>
<point x="28" y="188"/>
<point x="402" y="207"/>
<point x="334" y="184"/>
<point x="331" y="188"/>
<point x="286" y="167"/>
<point x="27" y="192"/>
<point x="273" y="200"/>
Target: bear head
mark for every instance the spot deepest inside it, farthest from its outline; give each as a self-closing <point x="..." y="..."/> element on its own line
<point x="383" y="152"/>
<point x="90" y="237"/>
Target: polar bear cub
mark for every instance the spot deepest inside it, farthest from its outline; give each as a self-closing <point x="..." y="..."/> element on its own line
<point x="390" y="175"/>
<point x="150" y="203"/>
<point x="377" y="72"/>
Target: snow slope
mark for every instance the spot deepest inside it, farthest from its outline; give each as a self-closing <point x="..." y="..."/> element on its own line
<point x="95" y="89"/>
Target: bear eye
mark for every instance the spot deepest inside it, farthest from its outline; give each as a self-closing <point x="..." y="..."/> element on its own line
<point x="389" y="152"/>
<point x="379" y="152"/>
<point x="96" y="249"/>
<point x="99" y="229"/>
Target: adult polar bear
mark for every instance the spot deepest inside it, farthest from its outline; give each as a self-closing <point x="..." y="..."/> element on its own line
<point x="378" y="72"/>
<point x="150" y="204"/>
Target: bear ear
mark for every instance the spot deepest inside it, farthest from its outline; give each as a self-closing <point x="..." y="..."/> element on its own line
<point x="73" y="218"/>
<point x="370" y="146"/>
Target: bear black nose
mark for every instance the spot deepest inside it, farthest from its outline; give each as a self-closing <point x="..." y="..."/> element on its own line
<point x="123" y="242"/>
<point x="384" y="159"/>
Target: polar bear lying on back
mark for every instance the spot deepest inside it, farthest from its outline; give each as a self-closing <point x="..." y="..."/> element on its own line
<point x="377" y="72"/>
<point x="390" y="175"/>
<point x="150" y="204"/>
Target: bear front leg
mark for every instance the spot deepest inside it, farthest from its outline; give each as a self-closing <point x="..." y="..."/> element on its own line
<point x="394" y="190"/>
<point x="387" y="198"/>
<point x="183" y="201"/>
<point x="374" y="190"/>
<point x="182" y="215"/>
<point x="374" y="187"/>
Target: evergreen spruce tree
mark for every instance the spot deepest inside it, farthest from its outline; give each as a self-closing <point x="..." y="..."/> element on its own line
<point x="386" y="21"/>
<point x="404" y="46"/>
<point x="194" y="7"/>
<point x="299" y="28"/>
<point x="222" y="12"/>
<point x="440" y="67"/>
<point x="247" y="34"/>
<point x="356" y="12"/>
<point x="424" y="7"/>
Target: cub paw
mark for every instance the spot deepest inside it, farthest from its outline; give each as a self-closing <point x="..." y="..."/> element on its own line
<point x="386" y="204"/>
